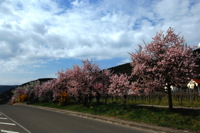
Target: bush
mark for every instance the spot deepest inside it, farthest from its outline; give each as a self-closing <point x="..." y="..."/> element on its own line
<point x="22" y="98"/>
<point x="64" y="98"/>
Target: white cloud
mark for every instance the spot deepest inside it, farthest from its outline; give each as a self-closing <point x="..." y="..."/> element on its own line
<point x="36" y="31"/>
<point x="125" y="61"/>
<point x="182" y="15"/>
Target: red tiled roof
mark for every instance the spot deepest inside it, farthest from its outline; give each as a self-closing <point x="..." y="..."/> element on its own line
<point x="197" y="80"/>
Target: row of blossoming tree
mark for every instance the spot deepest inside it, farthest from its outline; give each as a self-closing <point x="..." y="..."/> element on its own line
<point x="81" y="83"/>
<point x="164" y="62"/>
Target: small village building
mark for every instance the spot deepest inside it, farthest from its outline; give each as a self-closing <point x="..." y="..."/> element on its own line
<point x="194" y="84"/>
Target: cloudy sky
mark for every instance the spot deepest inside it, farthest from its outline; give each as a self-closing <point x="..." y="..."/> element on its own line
<point x="38" y="38"/>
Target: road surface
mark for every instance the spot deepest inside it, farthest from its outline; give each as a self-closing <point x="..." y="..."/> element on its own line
<point x="25" y="119"/>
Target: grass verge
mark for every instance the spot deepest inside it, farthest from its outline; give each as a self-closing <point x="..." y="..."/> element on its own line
<point x="179" y="118"/>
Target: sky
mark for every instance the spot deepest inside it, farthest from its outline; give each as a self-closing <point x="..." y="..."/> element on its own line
<point x="38" y="38"/>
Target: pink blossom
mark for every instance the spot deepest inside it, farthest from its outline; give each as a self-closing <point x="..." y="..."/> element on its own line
<point x="166" y="60"/>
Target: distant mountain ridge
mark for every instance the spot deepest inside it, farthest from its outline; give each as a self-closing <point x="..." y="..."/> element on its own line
<point x="4" y="88"/>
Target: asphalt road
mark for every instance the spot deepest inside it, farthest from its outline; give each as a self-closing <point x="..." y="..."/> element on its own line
<point x="24" y="119"/>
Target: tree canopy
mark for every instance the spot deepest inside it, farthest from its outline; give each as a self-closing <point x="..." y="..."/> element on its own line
<point x="164" y="62"/>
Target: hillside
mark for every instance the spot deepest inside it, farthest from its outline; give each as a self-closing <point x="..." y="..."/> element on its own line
<point x="124" y="68"/>
<point x="40" y="80"/>
<point x="197" y="52"/>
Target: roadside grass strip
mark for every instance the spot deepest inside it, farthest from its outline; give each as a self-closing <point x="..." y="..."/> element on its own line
<point x="6" y="131"/>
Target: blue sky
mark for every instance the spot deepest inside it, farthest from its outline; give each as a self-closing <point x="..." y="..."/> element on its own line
<point x="38" y="38"/>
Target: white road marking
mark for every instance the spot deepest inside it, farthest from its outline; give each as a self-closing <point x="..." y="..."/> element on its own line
<point x="1" y="118"/>
<point x="6" y="131"/>
<point x="16" y="123"/>
<point x="4" y="123"/>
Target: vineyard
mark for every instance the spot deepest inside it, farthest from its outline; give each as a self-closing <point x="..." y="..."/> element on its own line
<point x="184" y="99"/>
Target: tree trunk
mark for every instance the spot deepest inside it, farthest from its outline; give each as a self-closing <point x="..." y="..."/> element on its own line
<point x="124" y="101"/>
<point x="106" y="97"/>
<point x="98" y="98"/>
<point x="170" y="105"/>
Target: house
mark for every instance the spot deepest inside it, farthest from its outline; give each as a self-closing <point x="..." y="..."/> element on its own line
<point x="194" y="84"/>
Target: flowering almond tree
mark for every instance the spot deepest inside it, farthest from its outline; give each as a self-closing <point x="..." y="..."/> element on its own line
<point x="119" y="86"/>
<point x="45" y="91"/>
<point x="102" y="84"/>
<point x="166" y="61"/>
<point x="61" y="84"/>
<point x="76" y="82"/>
<point x="85" y="81"/>
<point x="18" y="94"/>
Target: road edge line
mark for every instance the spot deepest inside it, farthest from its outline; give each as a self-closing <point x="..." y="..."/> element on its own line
<point x="17" y="123"/>
<point x="6" y="131"/>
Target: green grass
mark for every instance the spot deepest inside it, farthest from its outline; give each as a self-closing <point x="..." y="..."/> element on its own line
<point x="179" y="118"/>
